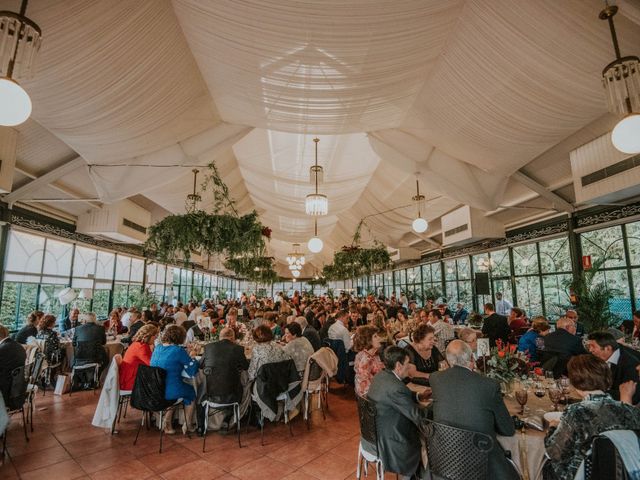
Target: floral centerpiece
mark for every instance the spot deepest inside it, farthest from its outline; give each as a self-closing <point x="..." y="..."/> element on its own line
<point x="505" y="363"/>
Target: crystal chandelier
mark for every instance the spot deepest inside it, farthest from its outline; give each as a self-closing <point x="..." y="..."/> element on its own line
<point x="621" y="80"/>
<point x="419" y="225"/>
<point x="316" y="204"/>
<point x="20" y="40"/>
<point x="295" y="259"/>
<point x="191" y="204"/>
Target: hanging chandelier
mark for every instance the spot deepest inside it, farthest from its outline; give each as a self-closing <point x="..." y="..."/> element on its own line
<point x="20" y="40"/>
<point x="316" y="204"/>
<point x="419" y="225"/>
<point x="193" y="199"/>
<point x="295" y="259"/>
<point x="315" y="244"/>
<point x="621" y="80"/>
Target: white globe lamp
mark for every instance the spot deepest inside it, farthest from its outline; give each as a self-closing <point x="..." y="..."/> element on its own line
<point x="315" y="245"/>
<point x="420" y="225"/>
<point x="626" y="134"/>
<point x="16" y="104"/>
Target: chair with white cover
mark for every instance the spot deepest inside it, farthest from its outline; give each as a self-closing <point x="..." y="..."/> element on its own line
<point x="35" y="375"/>
<point x="217" y="407"/>
<point x="315" y="381"/>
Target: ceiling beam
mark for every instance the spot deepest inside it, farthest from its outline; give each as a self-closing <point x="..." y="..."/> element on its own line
<point x="43" y="181"/>
<point x="558" y="202"/>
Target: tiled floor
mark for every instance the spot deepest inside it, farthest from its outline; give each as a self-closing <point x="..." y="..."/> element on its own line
<point x="64" y="445"/>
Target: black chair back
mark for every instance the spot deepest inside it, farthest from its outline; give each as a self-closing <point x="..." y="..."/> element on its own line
<point x="17" y="393"/>
<point x="456" y="454"/>
<point x="315" y="370"/>
<point x="149" y="390"/>
<point x="605" y="462"/>
<point x="87" y="352"/>
<point x="367" y="417"/>
<point x="36" y="370"/>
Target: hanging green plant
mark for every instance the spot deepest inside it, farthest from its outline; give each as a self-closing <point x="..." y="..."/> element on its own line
<point x="222" y="232"/>
<point x="355" y="261"/>
<point x="254" y="268"/>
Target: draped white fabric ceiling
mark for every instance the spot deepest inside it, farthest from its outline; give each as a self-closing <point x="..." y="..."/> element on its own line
<point x="460" y="94"/>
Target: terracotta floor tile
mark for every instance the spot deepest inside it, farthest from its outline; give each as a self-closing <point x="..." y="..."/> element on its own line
<point x="39" y="440"/>
<point x="67" y="470"/>
<point x="168" y="459"/>
<point x="8" y="470"/>
<point x="86" y="446"/>
<point x="80" y="432"/>
<point x="232" y="459"/>
<point x="330" y="467"/>
<point x="33" y="461"/>
<point x="97" y="461"/>
<point x="197" y="470"/>
<point x="131" y="470"/>
<point x="263" y="468"/>
<point x="300" y="475"/>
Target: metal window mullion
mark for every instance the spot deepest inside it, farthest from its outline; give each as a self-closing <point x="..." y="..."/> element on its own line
<point x="627" y="258"/>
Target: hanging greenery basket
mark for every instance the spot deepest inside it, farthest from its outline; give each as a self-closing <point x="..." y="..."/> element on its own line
<point x="354" y="261"/>
<point x="254" y="268"/>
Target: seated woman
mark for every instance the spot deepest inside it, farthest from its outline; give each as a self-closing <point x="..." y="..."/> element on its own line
<point x="532" y="341"/>
<point x="138" y="353"/>
<point x="50" y="337"/>
<point x="113" y="326"/>
<point x="265" y="350"/>
<point x="270" y="321"/>
<point x="30" y="328"/>
<point x="297" y="347"/>
<point x="568" y="444"/>
<point x="424" y="355"/>
<point x="368" y="362"/>
<point x="171" y="356"/>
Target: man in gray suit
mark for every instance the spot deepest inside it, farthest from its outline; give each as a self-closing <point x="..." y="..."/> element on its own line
<point x="398" y="414"/>
<point x="465" y="399"/>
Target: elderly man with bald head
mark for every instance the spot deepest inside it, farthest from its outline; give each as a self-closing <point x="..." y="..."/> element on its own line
<point x="463" y="398"/>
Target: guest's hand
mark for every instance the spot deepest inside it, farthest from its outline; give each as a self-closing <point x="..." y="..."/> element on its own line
<point x="425" y="395"/>
<point x="627" y="389"/>
<point x="553" y="422"/>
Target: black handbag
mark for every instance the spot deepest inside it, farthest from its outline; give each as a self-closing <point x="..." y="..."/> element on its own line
<point x="148" y="390"/>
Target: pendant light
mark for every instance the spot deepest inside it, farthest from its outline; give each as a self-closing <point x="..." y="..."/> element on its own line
<point x="194" y="198"/>
<point x="621" y="80"/>
<point x="316" y="204"/>
<point x="20" y="40"/>
<point x="420" y="225"/>
<point x="315" y="244"/>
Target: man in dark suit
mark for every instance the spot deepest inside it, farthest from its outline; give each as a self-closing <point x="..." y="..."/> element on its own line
<point x="222" y="363"/>
<point x="309" y="333"/>
<point x="560" y="346"/>
<point x="495" y="326"/>
<point x="398" y="414"/>
<point x="487" y="412"/>
<point x="71" y="321"/>
<point x="622" y="360"/>
<point x="89" y="339"/>
<point x="12" y="356"/>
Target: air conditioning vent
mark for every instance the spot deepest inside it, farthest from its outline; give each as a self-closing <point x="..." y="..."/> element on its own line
<point x="128" y="223"/>
<point x="615" y="169"/>
<point x="459" y="229"/>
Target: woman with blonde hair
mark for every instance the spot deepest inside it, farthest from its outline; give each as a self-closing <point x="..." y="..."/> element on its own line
<point x="138" y="353"/>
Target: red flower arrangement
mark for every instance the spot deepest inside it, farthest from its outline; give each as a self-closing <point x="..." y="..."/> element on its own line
<point x="266" y="232"/>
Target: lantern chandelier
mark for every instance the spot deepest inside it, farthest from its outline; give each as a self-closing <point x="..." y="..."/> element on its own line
<point x="191" y="204"/>
<point x="20" y="40"/>
<point x="621" y="80"/>
<point x="316" y="204"/>
<point x="295" y="260"/>
<point x="419" y="225"/>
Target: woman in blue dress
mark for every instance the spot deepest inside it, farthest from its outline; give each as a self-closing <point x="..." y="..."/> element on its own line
<point x="532" y="341"/>
<point x="173" y="357"/>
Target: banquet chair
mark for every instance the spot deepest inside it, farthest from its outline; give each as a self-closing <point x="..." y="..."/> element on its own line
<point x="86" y="352"/>
<point x="345" y="373"/>
<point x="148" y="396"/>
<point x="15" y="402"/>
<point x="124" y="396"/>
<point x="317" y="382"/>
<point x="605" y="463"/>
<point x="207" y="404"/>
<point x="35" y="375"/>
<point x="368" y="448"/>
<point x="456" y="454"/>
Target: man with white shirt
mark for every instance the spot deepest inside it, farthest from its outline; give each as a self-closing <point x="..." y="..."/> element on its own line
<point x="503" y="307"/>
<point x="180" y="316"/>
<point x="443" y="330"/>
<point x="622" y="360"/>
<point x="339" y="330"/>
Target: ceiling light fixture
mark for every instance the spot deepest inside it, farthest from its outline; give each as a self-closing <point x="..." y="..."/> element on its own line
<point x="419" y="225"/>
<point x="193" y="199"/>
<point x="296" y="259"/>
<point x="316" y="204"/>
<point x="20" y="40"/>
<point x="621" y="80"/>
<point x="315" y="244"/>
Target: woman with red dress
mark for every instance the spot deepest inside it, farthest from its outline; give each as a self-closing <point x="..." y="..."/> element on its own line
<point x="138" y="353"/>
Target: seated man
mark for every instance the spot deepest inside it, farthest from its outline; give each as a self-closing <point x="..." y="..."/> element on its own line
<point x="398" y="414"/>
<point x="495" y="326"/>
<point x="560" y="346"/>
<point x="88" y="341"/>
<point x="12" y="356"/>
<point x="622" y="360"/>
<point x="487" y="412"/>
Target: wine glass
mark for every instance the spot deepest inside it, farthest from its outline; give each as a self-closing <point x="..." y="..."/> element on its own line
<point x="539" y="390"/>
<point x="564" y="385"/>
<point x="555" y="395"/>
<point x="522" y="397"/>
